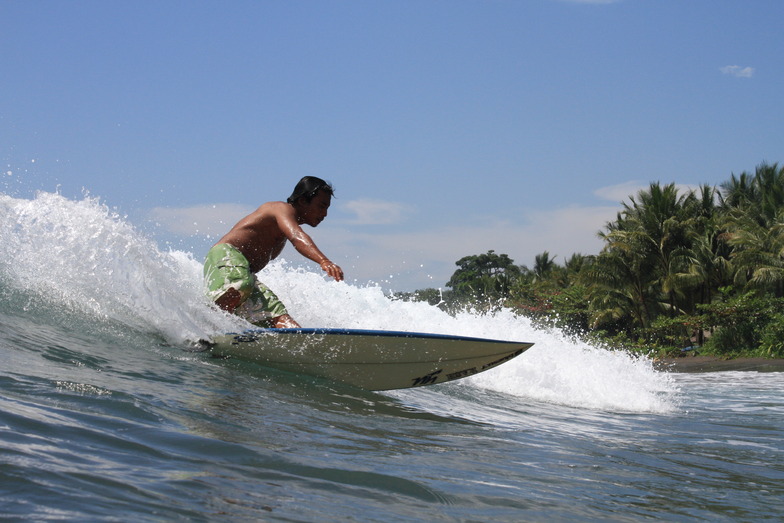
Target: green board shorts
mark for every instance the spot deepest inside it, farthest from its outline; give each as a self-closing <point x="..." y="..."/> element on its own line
<point x="227" y="268"/>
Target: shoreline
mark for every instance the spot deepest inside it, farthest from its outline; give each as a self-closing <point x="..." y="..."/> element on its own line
<point x="716" y="364"/>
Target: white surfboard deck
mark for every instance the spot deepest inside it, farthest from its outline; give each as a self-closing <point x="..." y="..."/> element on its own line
<point x="370" y="359"/>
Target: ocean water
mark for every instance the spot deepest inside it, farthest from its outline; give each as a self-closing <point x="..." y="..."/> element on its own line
<point x="105" y="417"/>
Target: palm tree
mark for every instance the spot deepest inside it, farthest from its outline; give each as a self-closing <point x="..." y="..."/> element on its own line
<point x="657" y="252"/>
<point x="709" y="266"/>
<point x="576" y="262"/>
<point x="618" y="291"/>
<point x="661" y="226"/>
<point x="759" y="252"/>
<point x="543" y="266"/>
<point x="754" y="218"/>
<point x="738" y="192"/>
<point x="770" y="183"/>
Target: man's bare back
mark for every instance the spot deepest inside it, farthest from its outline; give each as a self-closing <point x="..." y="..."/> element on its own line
<point x="258" y="236"/>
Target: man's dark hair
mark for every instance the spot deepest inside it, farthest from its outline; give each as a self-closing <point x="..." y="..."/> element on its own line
<point x="308" y="187"/>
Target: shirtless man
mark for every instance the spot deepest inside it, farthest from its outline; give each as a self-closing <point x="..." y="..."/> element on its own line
<point x="232" y="263"/>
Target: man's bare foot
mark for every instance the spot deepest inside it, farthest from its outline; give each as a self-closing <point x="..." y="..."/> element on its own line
<point x="285" y="322"/>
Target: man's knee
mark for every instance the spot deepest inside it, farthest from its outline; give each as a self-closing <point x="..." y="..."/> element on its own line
<point x="229" y="300"/>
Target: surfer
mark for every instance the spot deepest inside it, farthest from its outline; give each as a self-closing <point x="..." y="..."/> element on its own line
<point x="231" y="264"/>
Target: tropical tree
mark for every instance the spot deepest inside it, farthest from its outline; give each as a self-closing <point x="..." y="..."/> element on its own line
<point x="484" y="277"/>
<point x="738" y="191"/>
<point x="673" y="263"/>
<point x="575" y="264"/>
<point x="618" y="288"/>
<point x="759" y="252"/>
<point x="544" y="266"/>
<point x="754" y="219"/>
<point x="709" y="266"/>
<point x="662" y="222"/>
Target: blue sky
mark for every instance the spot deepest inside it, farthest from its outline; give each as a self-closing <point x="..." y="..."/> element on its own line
<point x="447" y="127"/>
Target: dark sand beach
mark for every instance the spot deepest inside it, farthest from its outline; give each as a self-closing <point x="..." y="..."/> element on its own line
<point x="714" y="364"/>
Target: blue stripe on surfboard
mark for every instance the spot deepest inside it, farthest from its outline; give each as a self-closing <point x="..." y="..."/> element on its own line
<point x="368" y="332"/>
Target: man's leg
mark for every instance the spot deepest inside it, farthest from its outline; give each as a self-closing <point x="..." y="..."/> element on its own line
<point x="229" y="300"/>
<point x="227" y="277"/>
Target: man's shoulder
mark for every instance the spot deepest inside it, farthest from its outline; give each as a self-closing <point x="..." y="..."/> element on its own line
<point x="271" y="205"/>
<point x="276" y="208"/>
<point x="273" y="211"/>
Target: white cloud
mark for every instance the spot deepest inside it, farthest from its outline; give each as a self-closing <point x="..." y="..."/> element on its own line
<point x="620" y="192"/>
<point x="426" y="258"/>
<point x="738" y="71"/>
<point x="623" y="191"/>
<point x="205" y="220"/>
<point x="376" y="212"/>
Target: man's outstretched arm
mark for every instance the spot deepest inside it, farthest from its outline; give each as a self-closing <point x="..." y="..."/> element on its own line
<point x="306" y="246"/>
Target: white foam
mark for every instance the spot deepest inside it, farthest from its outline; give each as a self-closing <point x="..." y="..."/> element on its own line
<point x="83" y="255"/>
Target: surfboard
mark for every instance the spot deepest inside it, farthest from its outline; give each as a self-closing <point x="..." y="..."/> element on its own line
<point x="369" y="359"/>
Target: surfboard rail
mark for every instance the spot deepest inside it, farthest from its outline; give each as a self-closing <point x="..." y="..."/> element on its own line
<point x="370" y="359"/>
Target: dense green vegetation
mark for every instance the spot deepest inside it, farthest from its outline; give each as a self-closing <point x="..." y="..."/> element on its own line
<point x="702" y="269"/>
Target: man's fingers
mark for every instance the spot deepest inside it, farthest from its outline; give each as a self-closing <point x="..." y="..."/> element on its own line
<point x="333" y="270"/>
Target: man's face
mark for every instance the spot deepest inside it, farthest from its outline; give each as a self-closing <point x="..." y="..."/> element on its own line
<point x="313" y="213"/>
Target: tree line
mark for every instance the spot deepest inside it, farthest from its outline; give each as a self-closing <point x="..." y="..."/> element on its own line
<point x="700" y="268"/>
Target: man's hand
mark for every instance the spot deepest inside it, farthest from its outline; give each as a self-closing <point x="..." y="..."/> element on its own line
<point x="332" y="269"/>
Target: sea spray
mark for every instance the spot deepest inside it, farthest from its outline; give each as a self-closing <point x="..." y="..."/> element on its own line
<point x="82" y="256"/>
<point x="561" y="370"/>
<point x="557" y="369"/>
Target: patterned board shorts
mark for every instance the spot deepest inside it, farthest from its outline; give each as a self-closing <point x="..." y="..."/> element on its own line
<point x="227" y="268"/>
